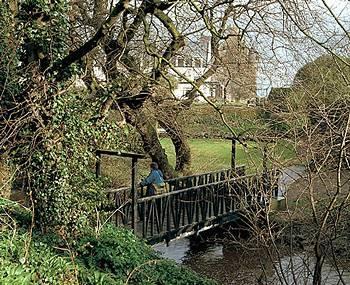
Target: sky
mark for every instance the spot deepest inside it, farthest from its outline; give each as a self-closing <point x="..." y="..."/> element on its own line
<point x="286" y="49"/>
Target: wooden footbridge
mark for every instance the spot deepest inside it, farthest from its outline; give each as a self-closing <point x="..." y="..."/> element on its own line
<point x="193" y="203"/>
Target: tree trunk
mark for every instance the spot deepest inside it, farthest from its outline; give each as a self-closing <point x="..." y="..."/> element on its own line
<point x="182" y="149"/>
<point x="145" y="125"/>
<point x="317" y="278"/>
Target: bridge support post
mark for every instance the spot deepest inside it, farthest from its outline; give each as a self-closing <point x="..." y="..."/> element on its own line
<point x="134" y="194"/>
<point x="266" y="175"/>
<point x="233" y="154"/>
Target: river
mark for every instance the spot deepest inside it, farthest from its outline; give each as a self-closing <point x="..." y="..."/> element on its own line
<point x="231" y="264"/>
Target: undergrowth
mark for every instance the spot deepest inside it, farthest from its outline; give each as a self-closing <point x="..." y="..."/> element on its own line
<point x="110" y="256"/>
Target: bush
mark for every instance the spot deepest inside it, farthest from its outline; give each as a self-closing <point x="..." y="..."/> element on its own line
<point x="114" y="256"/>
<point x="118" y="253"/>
<point x="203" y="121"/>
<point x="42" y="266"/>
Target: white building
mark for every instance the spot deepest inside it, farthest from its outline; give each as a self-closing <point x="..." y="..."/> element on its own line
<point x="235" y="80"/>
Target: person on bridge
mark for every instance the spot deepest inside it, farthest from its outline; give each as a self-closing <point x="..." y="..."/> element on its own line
<point x="154" y="181"/>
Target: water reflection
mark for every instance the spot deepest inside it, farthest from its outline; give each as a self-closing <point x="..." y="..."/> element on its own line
<point x="234" y="265"/>
<point x="298" y="269"/>
<point x="227" y="265"/>
<point x="176" y="250"/>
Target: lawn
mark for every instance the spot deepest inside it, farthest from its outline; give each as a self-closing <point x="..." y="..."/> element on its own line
<point x="215" y="154"/>
<point x="207" y="155"/>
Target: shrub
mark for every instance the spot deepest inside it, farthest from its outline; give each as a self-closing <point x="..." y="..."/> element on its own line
<point x="118" y="253"/>
<point x="113" y="257"/>
<point x="42" y="266"/>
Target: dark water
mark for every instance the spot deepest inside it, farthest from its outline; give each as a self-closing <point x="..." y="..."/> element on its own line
<point x="225" y="264"/>
<point x="230" y="264"/>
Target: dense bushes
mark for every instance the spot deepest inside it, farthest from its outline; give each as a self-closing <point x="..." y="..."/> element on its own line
<point x="119" y="254"/>
<point x="203" y="121"/>
<point x="22" y="262"/>
<point x="110" y="256"/>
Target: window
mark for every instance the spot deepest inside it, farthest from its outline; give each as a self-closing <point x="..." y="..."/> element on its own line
<point x="180" y="62"/>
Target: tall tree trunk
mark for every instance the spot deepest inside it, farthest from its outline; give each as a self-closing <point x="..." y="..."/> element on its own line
<point x="317" y="278"/>
<point x="182" y="149"/>
<point x="145" y="125"/>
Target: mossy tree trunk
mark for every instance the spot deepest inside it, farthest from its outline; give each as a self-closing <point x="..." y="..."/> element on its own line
<point x="145" y="124"/>
<point x="179" y="140"/>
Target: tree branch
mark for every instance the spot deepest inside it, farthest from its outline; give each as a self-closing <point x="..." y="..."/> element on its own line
<point x="95" y="40"/>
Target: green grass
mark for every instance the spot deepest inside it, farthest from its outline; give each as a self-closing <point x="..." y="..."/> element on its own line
<point x="207" y="155"/>
<point x="215" y="154"/>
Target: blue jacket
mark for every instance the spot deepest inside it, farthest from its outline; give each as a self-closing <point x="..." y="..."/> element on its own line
<point x="155" y="177"/>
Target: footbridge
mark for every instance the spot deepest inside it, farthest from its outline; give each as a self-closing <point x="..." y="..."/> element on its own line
<point x="192" y="204"/>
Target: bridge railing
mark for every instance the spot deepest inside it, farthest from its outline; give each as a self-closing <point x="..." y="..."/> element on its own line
<point x="204" y="178"/>
<point x="188" y="181"/>
<point x="189" y="209"/>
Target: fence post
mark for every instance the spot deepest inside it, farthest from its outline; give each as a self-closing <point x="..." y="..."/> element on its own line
<point x="134" y="194"/>
<point x="266" y="178"/>
<point x="233" y="154"/>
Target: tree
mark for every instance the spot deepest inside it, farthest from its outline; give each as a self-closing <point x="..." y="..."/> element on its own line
<point x="50" y="126"/>
<point x="131" y="45"/>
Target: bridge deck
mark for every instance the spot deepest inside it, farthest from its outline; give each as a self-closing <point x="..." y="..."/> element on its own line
<point x="192" y="204"/>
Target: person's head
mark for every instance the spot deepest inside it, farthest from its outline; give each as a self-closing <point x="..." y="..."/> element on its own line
<point x="154" y="165"/>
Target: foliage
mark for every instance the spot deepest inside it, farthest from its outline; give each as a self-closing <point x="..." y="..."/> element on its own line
<point x="119" y="252"/>
<point x="318" y="96"/>
<point x="274" y="121"/>
<point x="44" y="30"/>
<point x="43" y="266"/>
<point x="71" y="189"/>
<point x="322" y="81"/>
<point x="112" y="256"/>
<point x="28" y="260"/>
<point x="50" y="126"/>
<point x="321" y="86"/>
<point x="8" y="60"/>
<point x="203" y="121"/>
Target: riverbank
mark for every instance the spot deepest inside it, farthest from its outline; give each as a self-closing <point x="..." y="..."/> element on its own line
<point x="105" y="256"/>
<point x="242" y="265"/>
